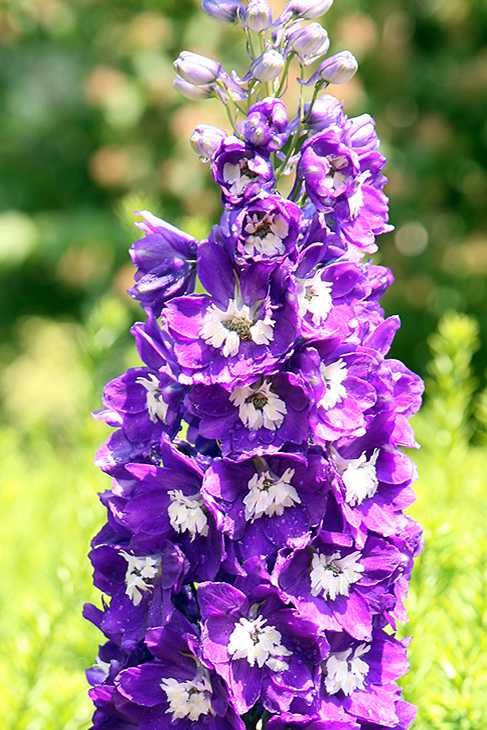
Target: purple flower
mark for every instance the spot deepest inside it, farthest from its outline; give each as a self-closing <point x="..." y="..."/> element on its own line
<point x="266" y="127"/>
<point x="240" y="172"/>
<point x="144" y="403"/>
<point x="141" y="588"/>
<point x="358" y="680"/>
<point x="264" y="230"/>
<point x="175" y="689"/>
<point x="268" y="501"/>
<point x="266" y="414"/>
<point x="185" y="516"/>
<point x="243" y="327"/>
<point x="337" y="585"/>
<point x="165" y="261"/>
<point x="262" y="649"/>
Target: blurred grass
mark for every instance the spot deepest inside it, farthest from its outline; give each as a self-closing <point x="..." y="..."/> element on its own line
<point x="49" y="513"/>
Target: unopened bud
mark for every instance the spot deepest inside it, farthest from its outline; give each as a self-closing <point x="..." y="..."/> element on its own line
<point x="196" y="69"/>
<point x="308" y="8"/>
<point x="191" y="91"/>
<point x="338" y="69"/>
<point x="225" y="10"/>
<point x="325" y="112"/>
<point x="268" y="66"/>
<point x="309" y="42"/>
<point x="257" y="16"/>
<point x="205" y="140"/>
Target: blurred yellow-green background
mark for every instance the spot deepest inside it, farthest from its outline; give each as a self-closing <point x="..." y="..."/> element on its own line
<point x="92" y="130"/>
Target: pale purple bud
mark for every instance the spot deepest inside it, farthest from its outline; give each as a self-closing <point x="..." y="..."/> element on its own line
<point x="191" y="91"/>
<point x="257" y="16"/>
<point x="206" y="139"/>
<point x="338" y="69"/>
<point x="309" y="42"/>
<point x="225" y="10"/>
<point x="268" y="66"/>
<point x="196" y="69"/>
<point x="326" y="112"/>
<point x="308" y="8"/>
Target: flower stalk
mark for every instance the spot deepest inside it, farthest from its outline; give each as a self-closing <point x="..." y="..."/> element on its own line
<point x="256" y="554"/>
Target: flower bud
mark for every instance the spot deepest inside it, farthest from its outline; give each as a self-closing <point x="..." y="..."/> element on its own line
<point x="338" y="69"/>
<point x="257" y="16"/>
<point x="309" y="42"/>
<point x="205" y="140"/>
<point x="308" y="8"/>
<point x="326" y="112"/>
<point x="196" y="69"/>
<point x="190" y="91"/>
<point x="268" y="66"/>
<point x="225" y="10"/>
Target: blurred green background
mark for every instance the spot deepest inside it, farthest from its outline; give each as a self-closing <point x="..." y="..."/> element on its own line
<point x="92" y="130"/>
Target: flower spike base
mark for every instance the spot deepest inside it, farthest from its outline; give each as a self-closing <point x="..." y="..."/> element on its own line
<point x="256" y="554"/>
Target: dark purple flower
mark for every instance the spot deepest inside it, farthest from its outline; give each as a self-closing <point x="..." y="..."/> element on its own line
<point x="166" y="503"/>
<point x="264" y="230"/>
<point x="337" y="585"/>
<point x="266" y="414"/>
<point x="240" y="172"/>
<point x="141" y="588"/>
<point x="269" y="500"/>
<point x="243" y="327"/>
<point x="144" y="403"/>
<point x="165" y="260"/>
<point x="262" y="649"/>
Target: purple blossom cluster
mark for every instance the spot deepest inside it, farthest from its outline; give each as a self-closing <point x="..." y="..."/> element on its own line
<point x="256" y="555"/>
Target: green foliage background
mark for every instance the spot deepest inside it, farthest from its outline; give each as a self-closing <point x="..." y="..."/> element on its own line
<point x="91" y="130"/>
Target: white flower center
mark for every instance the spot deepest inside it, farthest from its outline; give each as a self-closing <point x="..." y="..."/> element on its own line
<point x="259" y="407"/>
<point x="226" y="329"/>
<point x="314" y="296"/>
<point x="270" y="495"/>
<point x="359" y="477"/>
<point x="258" y="643"/>
<point x="266" y="234"/>
<point x="333" y="376"/>
<point x="186" y="514"/>
<point x="335" y="180"/>
<point x="237" y="176"/>
<point x="189" y="699"/>
<point x="156" y="405"/>
<point x="346" y="671"/>
<point x="356" y="200"/>
<point x="140" y="575"/>
<point x="332" y="575"/>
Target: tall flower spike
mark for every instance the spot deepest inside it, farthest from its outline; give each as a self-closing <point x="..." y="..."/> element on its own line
<point x="256" y="555"/>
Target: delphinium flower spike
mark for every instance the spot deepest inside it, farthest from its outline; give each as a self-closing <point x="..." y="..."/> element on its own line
<point x="256" y="555"/>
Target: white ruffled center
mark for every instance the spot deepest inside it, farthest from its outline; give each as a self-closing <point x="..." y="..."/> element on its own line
<point x="258" y="643"/>
<point x="346" y="671"/>
<point x="333" y="376"/>
<point x="335" y="180"/>
<point x="359" y="477"/>
<point x="265" y="234"/>
<point x="227" y="329"/>
<point x="315" y="298"/>
<point x="237" y="176"/>
<point x="140" y="574"/>
<point x="270" y="495"/>
<point x="187" y="514"/>
<point x="155" y="403"/>
<point x="190" y="699"/>
<point x="259" y="407"/>
<point x="332" y="575"/>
